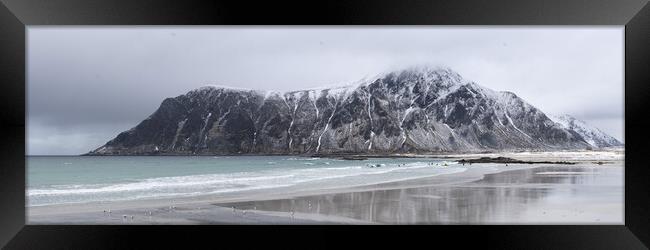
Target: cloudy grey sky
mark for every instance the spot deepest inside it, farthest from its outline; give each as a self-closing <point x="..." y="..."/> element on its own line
<point x="87" y="84"/>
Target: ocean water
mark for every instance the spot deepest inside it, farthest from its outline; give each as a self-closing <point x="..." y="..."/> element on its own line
<point x="77" y="179"/>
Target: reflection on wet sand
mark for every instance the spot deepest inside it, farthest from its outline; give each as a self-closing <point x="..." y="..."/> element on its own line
<point x="538" y="195"/>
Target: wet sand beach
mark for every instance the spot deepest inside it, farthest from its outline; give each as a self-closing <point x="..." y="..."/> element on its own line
<point x="542" y="195"/>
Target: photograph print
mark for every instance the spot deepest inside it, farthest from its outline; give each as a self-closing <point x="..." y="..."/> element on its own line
<point x="319" y="125"/>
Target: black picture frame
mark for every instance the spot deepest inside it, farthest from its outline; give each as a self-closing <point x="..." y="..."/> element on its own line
<point x="16" y="15"/>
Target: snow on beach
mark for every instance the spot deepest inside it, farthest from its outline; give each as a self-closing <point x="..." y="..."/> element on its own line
<point x="576" y="156"/>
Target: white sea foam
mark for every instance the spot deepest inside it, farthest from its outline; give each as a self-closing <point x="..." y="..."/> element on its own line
<point x="155" y="183"/>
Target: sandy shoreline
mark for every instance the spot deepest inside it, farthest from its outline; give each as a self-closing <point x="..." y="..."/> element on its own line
<point x="428" y="200"/>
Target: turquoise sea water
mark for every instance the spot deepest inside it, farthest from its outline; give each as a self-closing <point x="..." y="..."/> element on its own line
<point x="73" y="179"/>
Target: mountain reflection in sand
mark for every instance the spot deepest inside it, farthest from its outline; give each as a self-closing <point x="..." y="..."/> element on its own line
<point x="511" y="197"/>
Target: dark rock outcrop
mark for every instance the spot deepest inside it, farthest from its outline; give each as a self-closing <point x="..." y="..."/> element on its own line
<point x="507" y="160"/>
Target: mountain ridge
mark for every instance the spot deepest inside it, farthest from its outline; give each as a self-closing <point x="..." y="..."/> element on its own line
<point x="419" y="109"/>
<point x="592" y="135"/>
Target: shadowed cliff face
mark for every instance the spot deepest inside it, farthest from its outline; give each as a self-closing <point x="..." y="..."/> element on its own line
<point x="416" y="110"/>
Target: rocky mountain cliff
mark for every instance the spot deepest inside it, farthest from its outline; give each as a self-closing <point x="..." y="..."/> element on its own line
<point x="416" y="110"/>
<point x="594" y="136"/>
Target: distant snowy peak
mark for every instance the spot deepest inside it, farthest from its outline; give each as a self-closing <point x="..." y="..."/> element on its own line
<point x="592" y="135"/>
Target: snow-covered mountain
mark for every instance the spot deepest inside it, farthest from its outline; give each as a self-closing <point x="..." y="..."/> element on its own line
<point x="419" y="109"/>
<point x="594" y="136"/>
